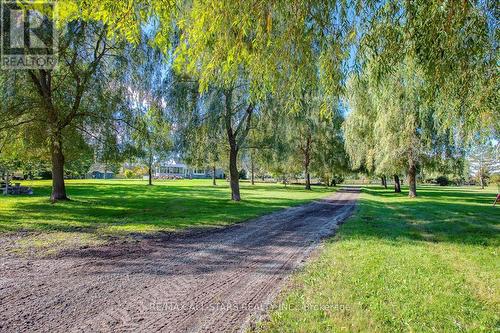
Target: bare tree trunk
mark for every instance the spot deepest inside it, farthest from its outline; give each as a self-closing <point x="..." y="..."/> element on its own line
<point x="58" y="185"/>
<point x="214" y="182"/>
<point x="397" y="184"/>
<point x="481" y="179"/>
<point x="308" y="180"/>
<point x="234" y="176"/>
<point x="384" y="182"/>
<point x="334" y="182"/>
<point x="150" y="176"/>
<point x="307" y="162"/>
<point x="150" y="170"/>
<point x="412" y="180"/>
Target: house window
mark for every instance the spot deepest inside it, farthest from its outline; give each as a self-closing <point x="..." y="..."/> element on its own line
<point x="199" y="172"/>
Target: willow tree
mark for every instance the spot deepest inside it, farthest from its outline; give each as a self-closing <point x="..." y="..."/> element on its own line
<point x="245" y="50"/>
<point x="61" y="105"/>
<point x="404" y="122"/>
<point x="330" y="160"/>
<point x="266" y="139"/>
<point x="455" y="45"/>
<point x="359" y="125"/>
<point x="450" y="55"/>
<point x="402" y="131"/>
<point x="199" y="131"/>
<point x="361" y="141"/>
<point x="151" y="135"/>
<point x="242" y="48"/>
<point x="268" y="146"/>
<point x="68" y="101"/>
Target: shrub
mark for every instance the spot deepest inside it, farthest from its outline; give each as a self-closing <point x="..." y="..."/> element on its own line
<point x="442" y="181"/>
<point x="458" y="181"/>
<point x="129" y="174"/>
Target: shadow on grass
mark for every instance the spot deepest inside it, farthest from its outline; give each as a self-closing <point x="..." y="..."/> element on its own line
<point x="437" y="215"/>
<point x="137" y="207"/>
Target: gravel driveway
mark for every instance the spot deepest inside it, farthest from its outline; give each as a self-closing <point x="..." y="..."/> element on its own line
<point x="211" y="281"/>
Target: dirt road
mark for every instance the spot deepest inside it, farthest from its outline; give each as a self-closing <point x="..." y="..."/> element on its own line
<point x="216" y="281"/>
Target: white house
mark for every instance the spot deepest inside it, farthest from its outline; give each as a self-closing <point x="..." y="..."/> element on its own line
<point x="174" y="169"/>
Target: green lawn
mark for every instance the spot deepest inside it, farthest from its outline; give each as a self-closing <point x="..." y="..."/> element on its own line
<point x="399" y="265"/>
<point x="119" y="207"/>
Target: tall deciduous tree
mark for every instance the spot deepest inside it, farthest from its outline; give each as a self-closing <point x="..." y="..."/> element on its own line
<point x="303" y="127"/>
<point x="245" y="50"/>
<point x="242" y="49"/>
<point x="484" y="159"/>
<point x="399" y="126"/>
<point x="330" y="160"/>
<point x="151" y="135"/>
<point x="402" y="122"/>
<point x="205" y="148"/>
<point x="359" y="125"/>
<point x="455" y="46"/>
<point x="59" y="103"/>
<point x="147" y="79"/>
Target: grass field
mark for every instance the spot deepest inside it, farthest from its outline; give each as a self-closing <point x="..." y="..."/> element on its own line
<point x="120" y="207"/>
<point x="399" y="265"/>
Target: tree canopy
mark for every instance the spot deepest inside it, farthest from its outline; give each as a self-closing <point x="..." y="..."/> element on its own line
<point x="216" y="78"/>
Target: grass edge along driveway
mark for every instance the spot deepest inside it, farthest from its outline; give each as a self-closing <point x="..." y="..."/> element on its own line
<point x="400" y="265"/>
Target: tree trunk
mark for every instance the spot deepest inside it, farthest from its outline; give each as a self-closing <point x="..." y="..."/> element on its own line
<point x="214" y="182"/>
<point x="6" y="184"/>
<point x="334" y="182"/>
<point x="308" y="180"/>
<point x="236" y="138"/>
<point x="384" y="182"/>
<point x="150" y="176"/>
<point x="307" y="162"/>
<point x="412" y="180"/>
<point x="397" y="184"/>
<point x="58" y="186"/>
<point x="481" y="179"/>
<point x="234" y="176"/>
